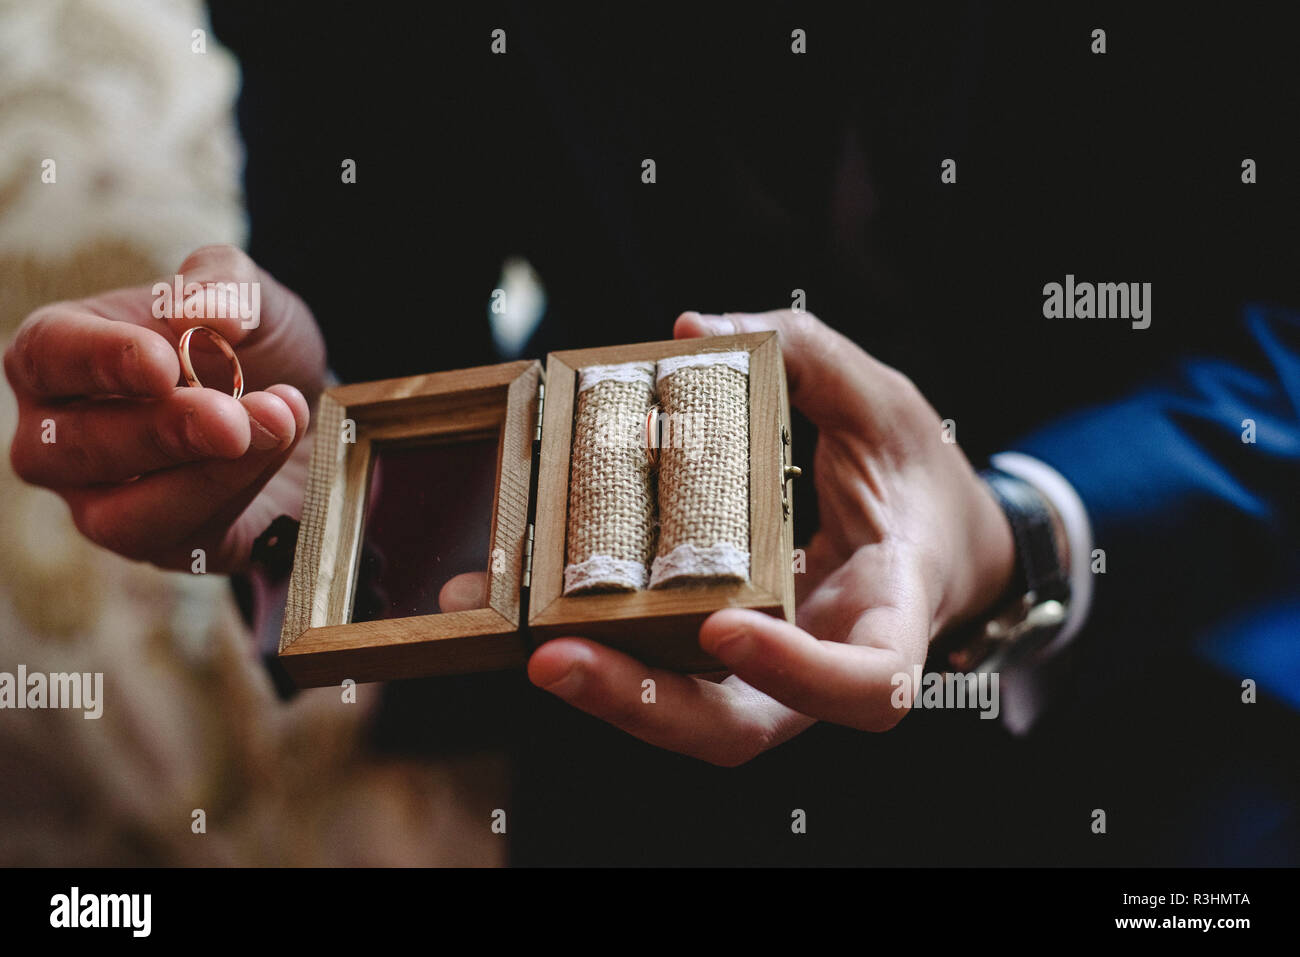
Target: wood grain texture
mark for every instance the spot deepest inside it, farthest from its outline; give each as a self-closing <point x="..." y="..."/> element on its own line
<point x="319" y="644"/>
<point x="514" y="495"/>
<point x="459" y="642"/>
<point x="771" y="530"/>
<point x="551" y="523"/>
<point x="389" y="398"/>
<point x="654" y="351"/>
<point x="337" y="578"/>
<point x="661" y="627"/>
<point x="321" y="475"/>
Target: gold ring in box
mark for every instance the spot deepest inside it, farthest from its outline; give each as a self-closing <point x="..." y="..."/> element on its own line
<point x="500" y="437"/>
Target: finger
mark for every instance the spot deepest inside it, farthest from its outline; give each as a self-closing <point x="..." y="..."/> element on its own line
<point x="116" y="439"/>
<point x="228" y="537"/>
<point x="236" y="293"/>
<point x="277" y="338"/>
<point x="278" y="341"/>
<point x="821" y="558"/>
<point x="830" y="378"/>
<point x="719" y="723"/>
<point x="64" y="351"/>
<point x="848" y="683"/>
<point x="196" y="503"/>
<point x="278" y="492"/>
<point x="464" y="592"/>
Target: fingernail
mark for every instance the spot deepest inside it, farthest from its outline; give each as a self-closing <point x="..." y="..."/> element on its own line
<point x="733" y="648"/>
<point x="568" y="685"/>
<point x="262" y="438"/>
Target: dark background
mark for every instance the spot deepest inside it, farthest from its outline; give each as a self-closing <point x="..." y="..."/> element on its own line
<point x="818" y="172"/>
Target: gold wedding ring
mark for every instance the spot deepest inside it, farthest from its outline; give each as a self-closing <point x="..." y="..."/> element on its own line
<point x="652" y="436"/>
<point x="227" y="350"/>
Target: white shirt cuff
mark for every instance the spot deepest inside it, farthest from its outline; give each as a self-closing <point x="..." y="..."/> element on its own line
<point x="1026" y="683"/>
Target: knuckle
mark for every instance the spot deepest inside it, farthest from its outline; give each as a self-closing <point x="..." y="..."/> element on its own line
<point x="20" y="458"/>
<point x="126" y="361"/>
<point x="22" y="363"/>
<point x="80" y="458"/>
<point x="752" y="739"/>
<point x="13" y="364"/>
<point x="626" y="712"/>
<point x="881" y="713"/>
<point x="105" y="528"/>
<point x="884" y="718"/>
<point x="100" y="367"/>
<point x="209" y="491"/>
<point x="804" y="333"/>
<point x="160" y="442"/>
<point x="801" y="325"/>
<point x="900" y="385"/>
<point x="903" y="402"/>
<point x="79" y="463"/>
<point x="65" y="462"/>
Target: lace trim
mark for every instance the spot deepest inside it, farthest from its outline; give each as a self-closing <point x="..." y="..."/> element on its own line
<point x="642" y="372"/>
<point x="722" y="560"/>
<point x="604" y="571"/>
<point x="735" y="360"/>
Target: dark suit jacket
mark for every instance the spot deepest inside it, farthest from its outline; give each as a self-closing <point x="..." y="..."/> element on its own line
<point x="819" y="172"/>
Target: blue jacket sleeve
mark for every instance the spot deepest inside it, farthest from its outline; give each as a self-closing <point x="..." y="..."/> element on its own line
<point x="1192" y="484"/>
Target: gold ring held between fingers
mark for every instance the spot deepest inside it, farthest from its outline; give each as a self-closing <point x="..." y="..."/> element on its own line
<point x="187" y="367"/>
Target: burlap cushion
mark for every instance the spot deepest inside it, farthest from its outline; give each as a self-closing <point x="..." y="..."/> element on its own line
<point x="703" y="469"/>
<point x="611" y="521"/>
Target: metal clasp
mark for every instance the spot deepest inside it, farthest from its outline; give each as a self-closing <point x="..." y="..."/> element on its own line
<point x="788" y="472"/>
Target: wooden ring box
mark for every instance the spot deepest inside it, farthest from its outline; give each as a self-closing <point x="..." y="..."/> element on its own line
<point x="532" y="416"/>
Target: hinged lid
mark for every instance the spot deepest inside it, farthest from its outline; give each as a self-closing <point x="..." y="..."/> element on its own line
<point x="528" y="556"/>
<point x="321" y="642"/>
<point x="530" y="417"/>
<point x="541" y="405"/>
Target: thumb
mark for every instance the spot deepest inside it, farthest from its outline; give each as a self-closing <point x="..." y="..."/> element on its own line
<point x="238" y="296"/>
<point x="242" y="301"/>
<point x="831" y="379"/>
<point x="835" y="681"/>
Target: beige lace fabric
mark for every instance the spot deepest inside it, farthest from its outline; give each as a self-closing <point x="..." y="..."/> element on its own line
<point x="611" y="522"/>
<point x="703" y="469"/>
<point x="148" y="161"/>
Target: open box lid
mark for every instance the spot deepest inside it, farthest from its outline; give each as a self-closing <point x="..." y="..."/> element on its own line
<point x="319" y="642"/>
<point x="532" y="415"/>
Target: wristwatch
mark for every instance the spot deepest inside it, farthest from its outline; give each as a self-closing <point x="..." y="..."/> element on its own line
<point x="1039" y="597"/>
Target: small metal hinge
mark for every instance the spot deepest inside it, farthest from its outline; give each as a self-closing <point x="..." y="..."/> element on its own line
<point x="528" y="557"/>
<point x="788" y="471"/>
<point x="541" y="404"/>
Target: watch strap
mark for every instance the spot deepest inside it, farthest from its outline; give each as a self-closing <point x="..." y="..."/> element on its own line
<point x="1038" y="569"/>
